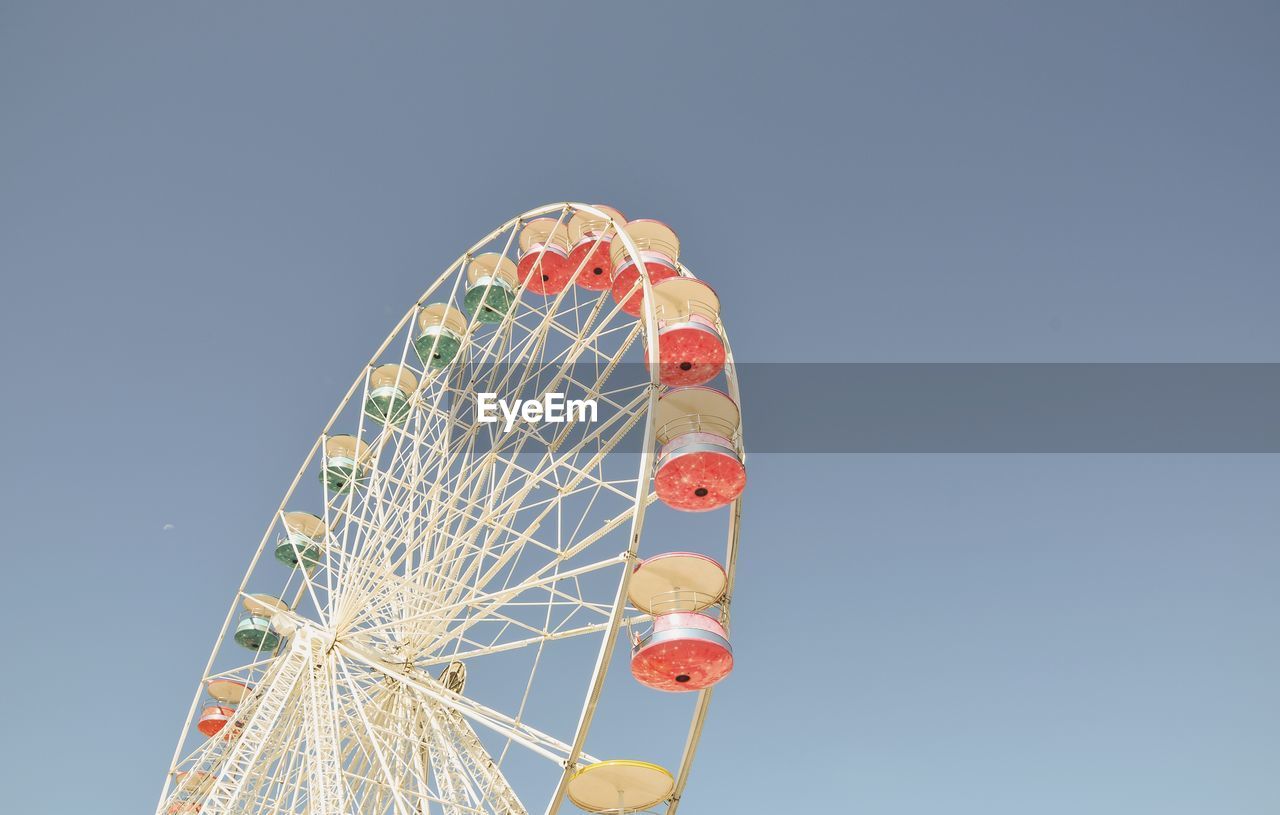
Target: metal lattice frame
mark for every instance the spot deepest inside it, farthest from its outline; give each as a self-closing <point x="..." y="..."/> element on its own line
<point x="458" y="548"/>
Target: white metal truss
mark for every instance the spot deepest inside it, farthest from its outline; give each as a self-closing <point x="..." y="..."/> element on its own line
<point x="460" y="544"/>
<point x="324" y="766"/>
<point x="492" y="785"/>
<point x="236" y="767"/>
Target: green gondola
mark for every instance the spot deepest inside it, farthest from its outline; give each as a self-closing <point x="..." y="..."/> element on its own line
<point x="390" y="394"/>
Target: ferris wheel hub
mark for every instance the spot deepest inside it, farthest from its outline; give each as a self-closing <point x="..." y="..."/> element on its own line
<point x="285" y="624"/>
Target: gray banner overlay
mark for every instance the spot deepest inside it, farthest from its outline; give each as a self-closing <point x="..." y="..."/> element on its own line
<point x="1012" y="408"/>
<point x="942" y="407"/>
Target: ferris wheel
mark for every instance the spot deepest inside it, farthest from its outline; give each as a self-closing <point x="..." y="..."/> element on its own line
<point x="395" y="645"/>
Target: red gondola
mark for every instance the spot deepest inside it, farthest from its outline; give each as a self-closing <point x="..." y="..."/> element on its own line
<point x="698" y="466"/>
<point x="658" y="247"/>
<point x="213" y="718"/>
<point x="686" y="649"/>
<point x="591" y="237"/>
<point x="544" y="256"/>
<point x="690" y="350"/>
<point x="224" y="694"/>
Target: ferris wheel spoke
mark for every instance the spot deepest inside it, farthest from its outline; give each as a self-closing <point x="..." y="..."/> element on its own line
<point x="406" y="724"/>
<point x="514" y="545"/>
<point x="375" y="533"/>
<point x="493" y="600"/>
<point x="369" y="791"/>
<point x="281" y="782"/>
<point x="287" y="782"/>
<point x="324" y="775"/>
<point x="455" y="785"/>
<point x="459" y="742"/>
<point x="394" y="585"/>
<point x="529" y="642"/>
<point x="571" y="551"/>
<point x="403" y="598"/>
<point x="401" y="605"/>
<point x="519" y="436"/>
<point x="561" y="375"/>
<point x="278" y="767"/>
<point x="580" y="473"/>
<point x="378" y="752"/>
<point x="418" y="636"/>
<point x="500" y="613"/>
<point x="565" y="556"/>
<point x="448" y="782"/>
<point x="535" y="740"/>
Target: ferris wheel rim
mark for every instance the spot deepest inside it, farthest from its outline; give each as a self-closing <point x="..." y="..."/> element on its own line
<point x="641" y="499"/>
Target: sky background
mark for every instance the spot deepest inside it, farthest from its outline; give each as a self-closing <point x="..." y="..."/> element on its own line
<point x="211" y="213"/>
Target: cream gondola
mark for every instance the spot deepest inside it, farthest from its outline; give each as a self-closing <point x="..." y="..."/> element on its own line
<point x="620" y="786"/>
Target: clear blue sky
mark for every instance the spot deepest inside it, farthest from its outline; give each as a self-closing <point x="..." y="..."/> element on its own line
<point x="189" y="191"/>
